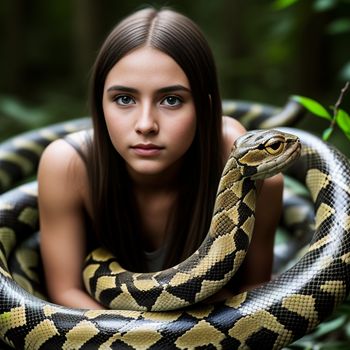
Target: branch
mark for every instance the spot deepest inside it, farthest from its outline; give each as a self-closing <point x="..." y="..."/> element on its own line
<point x="339" y="101"/>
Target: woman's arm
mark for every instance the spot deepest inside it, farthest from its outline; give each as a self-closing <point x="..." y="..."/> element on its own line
<point x="62" y="180"/>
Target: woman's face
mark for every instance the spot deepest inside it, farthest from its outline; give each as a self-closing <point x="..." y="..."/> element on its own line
<point x="149" y="112"/>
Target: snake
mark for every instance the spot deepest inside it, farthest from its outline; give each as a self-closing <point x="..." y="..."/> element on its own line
<point x="269" y="317"/>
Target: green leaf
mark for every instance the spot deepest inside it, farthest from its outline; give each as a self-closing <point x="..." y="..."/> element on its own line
<point x="339" y="26"/>
<point x="324" y="5"/>
<point x="333" y="345"/>
<point x="348" y="136"/>
<point x="345" y="72"/>
<point x="282" y="4"/>
<point x="327" y="134"/>
<point x="19" y="113"/>
<point x="330" y="326"/>
<point x="347" y="329"/>
<point x="343" y="120"/>
<point x="313" y="106"/>
<point x="305" y="343"/>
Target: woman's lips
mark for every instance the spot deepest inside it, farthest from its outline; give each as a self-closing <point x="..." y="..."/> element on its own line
<point x="148" y="149"/>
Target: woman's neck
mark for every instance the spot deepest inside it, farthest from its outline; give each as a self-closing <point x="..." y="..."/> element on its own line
<point x="156" y="204"/>
<point x="156" y="196"/>
<point x="166" y="181"/>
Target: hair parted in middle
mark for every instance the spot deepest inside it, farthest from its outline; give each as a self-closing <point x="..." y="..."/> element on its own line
<point x="116" y="219"/>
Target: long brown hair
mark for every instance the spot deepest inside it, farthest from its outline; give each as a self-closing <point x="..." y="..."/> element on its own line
<point x="116" y="217"/>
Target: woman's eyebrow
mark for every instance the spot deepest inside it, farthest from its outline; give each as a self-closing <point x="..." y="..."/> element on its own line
<point x="122" y="88"/>
<point x="173" y="88"/>
<point x="166" y="89"/>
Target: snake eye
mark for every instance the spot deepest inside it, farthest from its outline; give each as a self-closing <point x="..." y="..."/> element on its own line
<point x="274" y="147"/>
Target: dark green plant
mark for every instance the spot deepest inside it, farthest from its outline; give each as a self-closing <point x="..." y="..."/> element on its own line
<point x="338" y="26"/>
<point x="338" y="117"/>
<point x="318" y="5"/>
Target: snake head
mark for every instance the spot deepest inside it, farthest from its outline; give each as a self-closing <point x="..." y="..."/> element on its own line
<point x="264" y="153"/>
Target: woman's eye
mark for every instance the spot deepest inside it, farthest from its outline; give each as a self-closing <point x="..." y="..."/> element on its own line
<point x="124" y="100"/>
<point x="171" y="101"/>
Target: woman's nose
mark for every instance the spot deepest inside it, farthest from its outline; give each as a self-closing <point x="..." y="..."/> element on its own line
<point x="147" y="121"/>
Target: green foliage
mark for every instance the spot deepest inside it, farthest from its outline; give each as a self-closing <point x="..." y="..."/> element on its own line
<point x="324" y="5"/>
<point x="339" y="116"/>
<point x="282" y="4"/>
<point x="343" y="120"/>
<point x="345" y="72"/>
<point x="20" y="114"/>
<point x="318" y="5"/>
<point x="17" y="116"/>
<point x="339" y="26"/>
<point x="313" y="107"/>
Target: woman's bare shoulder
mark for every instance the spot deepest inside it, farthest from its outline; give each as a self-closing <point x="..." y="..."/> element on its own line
<point x="80" y="139"/>
<point x="62" y="173"/>
<point x="60" y="156"/>
<point x="231" y="129"/>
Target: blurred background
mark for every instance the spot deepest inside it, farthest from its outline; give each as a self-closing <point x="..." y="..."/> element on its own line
<point x="266" y="50"/>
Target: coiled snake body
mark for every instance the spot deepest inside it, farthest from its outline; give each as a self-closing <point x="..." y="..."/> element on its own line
<point x="267" y="317"/>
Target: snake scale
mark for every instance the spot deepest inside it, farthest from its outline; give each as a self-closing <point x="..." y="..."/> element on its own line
<point x="267" y="317"/>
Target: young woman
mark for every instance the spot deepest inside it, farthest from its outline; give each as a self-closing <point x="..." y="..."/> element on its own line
<point x="143" y="184"/>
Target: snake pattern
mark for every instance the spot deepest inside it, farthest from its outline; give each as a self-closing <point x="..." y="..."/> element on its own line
<point x="267" y="317"/>
<point x="222" y="251"/>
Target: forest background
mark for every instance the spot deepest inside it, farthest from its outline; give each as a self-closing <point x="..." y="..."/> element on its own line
<point x="265" y="50"/>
